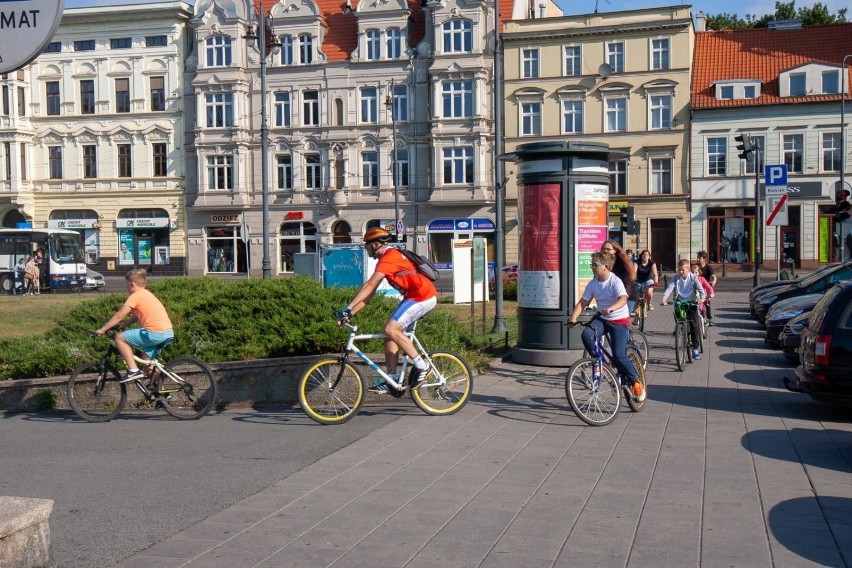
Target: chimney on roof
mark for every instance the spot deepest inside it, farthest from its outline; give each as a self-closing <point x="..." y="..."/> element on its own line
<point x="700" y="22"/>
<point x="785" y="25"/>
<point x="542" y="8"/>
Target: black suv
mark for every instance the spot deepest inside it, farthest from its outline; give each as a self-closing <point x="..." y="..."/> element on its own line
<point x="825" y="353"/>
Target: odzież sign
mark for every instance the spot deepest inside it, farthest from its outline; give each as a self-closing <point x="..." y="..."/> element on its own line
<point x="26" y="26"/>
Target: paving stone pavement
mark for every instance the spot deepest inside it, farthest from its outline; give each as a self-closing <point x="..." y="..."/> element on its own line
<point x="723" y="468"/>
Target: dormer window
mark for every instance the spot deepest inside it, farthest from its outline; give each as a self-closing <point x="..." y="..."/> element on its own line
<point x="373" y="45"/>
<point x="394" y="43"/>
<point x="218" y="51"/>
<point x="734" y="89"/>
<point x="810" y="79"/>
<point x="286" y="50"/>
<point x="306" y="49"/>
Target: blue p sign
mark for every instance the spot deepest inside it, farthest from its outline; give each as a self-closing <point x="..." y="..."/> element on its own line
<point x="775" y="174"/>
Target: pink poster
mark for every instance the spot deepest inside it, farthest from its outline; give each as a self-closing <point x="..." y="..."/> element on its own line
<point x="589" y="239"/>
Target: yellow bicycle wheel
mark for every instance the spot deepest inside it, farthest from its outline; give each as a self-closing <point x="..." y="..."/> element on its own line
<point x="446" y="387"/>
<point x="331" y="392"/>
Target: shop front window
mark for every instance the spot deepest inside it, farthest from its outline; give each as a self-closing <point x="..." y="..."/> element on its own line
<point x="730" y="234"/>
<point x="295" y="238"/>
<point x="225" y="250"/>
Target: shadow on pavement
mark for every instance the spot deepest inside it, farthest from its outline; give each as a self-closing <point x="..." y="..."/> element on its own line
<point x="64" y="416"/>
<point x="790" y="520"/>
<point x="813" y="447"/>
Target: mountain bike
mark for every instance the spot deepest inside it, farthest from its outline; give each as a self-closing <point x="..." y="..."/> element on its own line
<point x="636" y="341"/>
<point x="184" y="388"/>
<point x="594" y="385"/>
<point x="683" y="335"/>
<point x="642" y="307"/>
<point x="332" y="391"/>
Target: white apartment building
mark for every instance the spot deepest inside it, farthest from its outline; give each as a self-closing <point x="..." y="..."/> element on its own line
<point x="92" y="136"/>
<point x="368" y="103"/>
<point x="788" y="100"/>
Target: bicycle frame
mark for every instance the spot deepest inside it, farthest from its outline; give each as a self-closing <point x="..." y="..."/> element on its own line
<point x="351" y="348"/>
<point x="603" y="356"/>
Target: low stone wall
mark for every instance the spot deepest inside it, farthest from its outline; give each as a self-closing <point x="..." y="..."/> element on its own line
<point x="260" y="382"/>
<point x="24" y="532"/>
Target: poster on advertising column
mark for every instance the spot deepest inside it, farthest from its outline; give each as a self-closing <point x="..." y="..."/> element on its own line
<point x="590" y="203"/>
<point x="538" y="276"/>
<point x="125" y="247"/>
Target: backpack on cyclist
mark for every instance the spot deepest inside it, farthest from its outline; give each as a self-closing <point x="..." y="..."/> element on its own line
<point x="423" y="265"/>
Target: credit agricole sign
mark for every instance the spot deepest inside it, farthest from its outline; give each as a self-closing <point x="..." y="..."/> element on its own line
<point x="26" y="26"/>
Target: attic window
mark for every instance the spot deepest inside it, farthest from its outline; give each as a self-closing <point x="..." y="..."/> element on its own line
<point x="734" y="90"/>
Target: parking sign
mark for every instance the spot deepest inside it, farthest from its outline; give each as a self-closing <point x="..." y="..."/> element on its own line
<point x="776" y="195"/>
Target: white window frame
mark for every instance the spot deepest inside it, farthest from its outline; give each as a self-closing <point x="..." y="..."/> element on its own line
<point x="457" y="91"/>
<point x="393" y="43"/>
<point x="789" y="152"/>
<point x="373" y="44"/>
<point x="660" y="53"/>
<point x="219" y="110"/>
<point x="660" y="112"/>
<point x="313" y="171"/>
<point x="833" y="149"/>
<point x="835" y="75"/>
<point x="457" y="36"/>
<point x="370" y="169"/>
<point x="284" y="172"/>
<point x="661" y="170"/>
<point x="573" y="115"/>
<point x="286" y="50"/>
<point x="369" y="111"/>
<point x="220" y="168"/>
<point x="306" y="49"/>
<point x="615" y="56"/>
<point x="218" y="51"/>
<point x="717" y="153"/>
<point x="458" y="162"/>
<point x="572" y="65"/>
<point x="400" y="103"/>
<point x="402" y="164"/>
<point x="748" y="164"/>
<point x="310" y="109"/>
<point x="530" y="63"/>
<point x="618" y="112"/>
<point x="530" y="118"/>
<point x="283" y="112"/>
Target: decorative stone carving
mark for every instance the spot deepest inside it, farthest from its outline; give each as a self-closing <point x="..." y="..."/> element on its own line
<point x="191" y="62"/>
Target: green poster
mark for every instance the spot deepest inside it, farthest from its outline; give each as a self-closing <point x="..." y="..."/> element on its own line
<point x="125" y="247"/>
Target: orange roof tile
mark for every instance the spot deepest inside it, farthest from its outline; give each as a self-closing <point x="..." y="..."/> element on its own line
<point x="762" y="54"/>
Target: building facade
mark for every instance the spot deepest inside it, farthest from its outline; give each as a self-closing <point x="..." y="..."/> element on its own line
<point x="376" y="111"/>
<point x="781" y="87"/>
<point x="621" y="78"/>
<point x="91" y="136"/>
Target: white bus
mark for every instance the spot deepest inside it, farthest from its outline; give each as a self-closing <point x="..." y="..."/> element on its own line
<point x="62" y="250"/>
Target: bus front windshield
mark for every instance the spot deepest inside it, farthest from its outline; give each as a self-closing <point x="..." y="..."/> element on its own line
<point x="66" y="248"/>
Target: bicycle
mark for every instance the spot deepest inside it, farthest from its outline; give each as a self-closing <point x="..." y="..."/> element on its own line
<point x="636" y="341"/>
<point x="641" y="308"/>
<point x="184" y="388"/>
<point x="594" y="385"/>
<point x="331" y="391"/>
<point x="683" y="336"/>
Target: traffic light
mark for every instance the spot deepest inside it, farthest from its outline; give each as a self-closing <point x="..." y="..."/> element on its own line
<point x="842" y="206"/>
<point x="628" y="224"/>
<point x="745" y="146"/>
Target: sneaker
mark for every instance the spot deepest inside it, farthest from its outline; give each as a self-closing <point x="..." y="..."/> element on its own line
<point x="131" y="376"/>
<point x="710" y="323"/>
<point x="415" y="376"/>
<point x="639" y="392"/>
<point x="651" y="308"/>
<point x="380" y="387"/>
<point x="696" y="354"/>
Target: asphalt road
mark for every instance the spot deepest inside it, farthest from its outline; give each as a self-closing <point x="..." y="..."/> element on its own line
<point x="122" y="486"/>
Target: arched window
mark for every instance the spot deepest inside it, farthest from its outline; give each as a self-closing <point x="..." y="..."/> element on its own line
<point x="295" y="237"/>
<point x="338" y="112"/>
<point x="341" y="232"/>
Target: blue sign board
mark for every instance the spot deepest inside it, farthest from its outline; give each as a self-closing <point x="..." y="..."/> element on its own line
<point x="483" y="225"/>
<point x="775" y="175"/>
<point x="343" y="267"/>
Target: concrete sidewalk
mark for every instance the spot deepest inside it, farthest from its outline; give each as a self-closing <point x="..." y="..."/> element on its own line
<point x="723" y="468"/>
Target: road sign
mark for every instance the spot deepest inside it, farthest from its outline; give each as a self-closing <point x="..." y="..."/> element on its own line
<point x="775" y="174"/>
<point x="777" y="204"/>
<point x="400" y="227"/>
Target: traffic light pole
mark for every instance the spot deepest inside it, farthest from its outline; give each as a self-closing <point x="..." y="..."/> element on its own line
<point x="758" y="221"/>
<point x="843" y="85"/>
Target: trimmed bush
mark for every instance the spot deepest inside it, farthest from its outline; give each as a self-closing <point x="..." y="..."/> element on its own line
<point x="226" y="320"/>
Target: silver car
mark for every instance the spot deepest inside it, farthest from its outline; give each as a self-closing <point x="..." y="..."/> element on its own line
<point x="94" y="280"/>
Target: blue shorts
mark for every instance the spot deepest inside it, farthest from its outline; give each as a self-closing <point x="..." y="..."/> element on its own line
<point x="410" y="311"/>
<point x="147" y="341"/>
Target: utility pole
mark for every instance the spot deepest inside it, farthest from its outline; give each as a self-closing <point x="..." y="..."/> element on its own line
<point x="499" y="179"/>
<point x="748" y="148"/>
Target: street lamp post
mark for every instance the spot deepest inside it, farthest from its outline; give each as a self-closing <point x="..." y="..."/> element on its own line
<point x="843" y="82"/>
<point x="265" y="37"/>
<point x="499" y="178"/>
<point x="390" y="102"/>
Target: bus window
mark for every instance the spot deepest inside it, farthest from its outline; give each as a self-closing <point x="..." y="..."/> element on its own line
<point x="65" y="248"/>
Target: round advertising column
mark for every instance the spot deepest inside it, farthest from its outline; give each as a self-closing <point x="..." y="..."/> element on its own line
<point x="563" y="196"/>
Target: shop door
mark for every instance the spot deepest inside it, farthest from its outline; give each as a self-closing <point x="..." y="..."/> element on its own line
<point x="664" y="243"/>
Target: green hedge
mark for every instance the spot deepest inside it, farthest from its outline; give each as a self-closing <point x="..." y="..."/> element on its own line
<point x="225" y="320"/>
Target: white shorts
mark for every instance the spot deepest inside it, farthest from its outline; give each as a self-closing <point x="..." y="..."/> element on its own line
<point x="410" y="311"/>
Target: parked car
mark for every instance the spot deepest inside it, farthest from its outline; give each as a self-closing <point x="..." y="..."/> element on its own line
<point x="783" y="311"/>
<point x="94" y="280"/>
<point x="825" y="370"/>
<point x="791" y="336"/>
<point x="814" y="283"/>
<point x="757" y="290"/>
